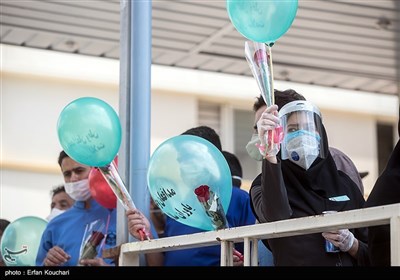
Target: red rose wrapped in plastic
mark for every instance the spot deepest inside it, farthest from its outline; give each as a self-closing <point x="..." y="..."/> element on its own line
<point x="89" y="250"/>
<point x="92" y="238"/>
<point x="212" y="205"/>
<point x="203" y="193"/>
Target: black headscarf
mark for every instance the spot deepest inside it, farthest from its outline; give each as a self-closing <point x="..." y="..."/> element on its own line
<point x="321" y="180"/>
<point x="385" y="191"/>
<point x="310" y="192"/>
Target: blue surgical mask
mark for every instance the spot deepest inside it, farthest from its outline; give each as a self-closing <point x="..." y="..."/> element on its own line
<point x="301" y="132"/>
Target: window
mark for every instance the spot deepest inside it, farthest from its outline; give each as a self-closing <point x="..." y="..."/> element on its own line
<point x="210" y="115"/>
<point x="243" y="121"/>
<point x="385" y="144"/>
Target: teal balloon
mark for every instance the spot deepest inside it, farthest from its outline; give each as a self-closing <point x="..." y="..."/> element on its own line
<point x="262" y="21"/>
<point x="180" y="165"/>
<point x="89" y="131"/>
<point x="20" y="241"/>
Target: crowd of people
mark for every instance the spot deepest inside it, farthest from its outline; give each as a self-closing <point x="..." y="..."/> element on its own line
<point x="305" y="177"/>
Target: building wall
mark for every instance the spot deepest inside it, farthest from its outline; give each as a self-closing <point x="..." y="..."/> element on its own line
<point x="355" y="135"/>
<point x="37" y="85"/>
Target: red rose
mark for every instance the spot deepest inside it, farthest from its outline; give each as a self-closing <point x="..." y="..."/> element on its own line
<point x="203" y="193"/>
<point x="96" y="238"/>
<point x="260" y="56"/>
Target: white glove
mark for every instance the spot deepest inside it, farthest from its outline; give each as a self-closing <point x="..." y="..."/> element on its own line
<point x="343" y="239"/>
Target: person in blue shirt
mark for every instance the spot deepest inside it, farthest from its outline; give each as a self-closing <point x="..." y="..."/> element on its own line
<point x="60" y="202"/>
<point x="61" y="241"/>
<point x="235" y="168"/>
<point x="264" y="255"/>
<point x="239" y="214"/>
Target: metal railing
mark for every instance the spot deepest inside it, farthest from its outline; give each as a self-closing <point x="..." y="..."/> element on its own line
<point x="389" y="214"/>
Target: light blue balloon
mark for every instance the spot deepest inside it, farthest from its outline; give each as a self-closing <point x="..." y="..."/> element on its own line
<point x="180" y="165"/>
<point x="262" y="21"/>
<point x="89" y="131"/>
<point x="20" y="241"/>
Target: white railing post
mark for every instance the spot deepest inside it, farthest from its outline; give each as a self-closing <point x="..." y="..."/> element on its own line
<point x="226" y="253"/>
<point x="247" y="251"/>
<point x="395" y="240"/>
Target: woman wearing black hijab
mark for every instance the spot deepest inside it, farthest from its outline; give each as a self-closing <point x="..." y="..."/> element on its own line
<point x="385" y="191"/>
<point x="303" y="180"/>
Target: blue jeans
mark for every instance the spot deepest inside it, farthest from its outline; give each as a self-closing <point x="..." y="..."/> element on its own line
<point x="264" y="255"/>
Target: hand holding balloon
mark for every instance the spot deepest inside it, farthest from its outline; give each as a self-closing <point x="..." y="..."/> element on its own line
<point x="259" y="58"/>
<point x="90" y="133"/>
<point x="115" y="182"/>
<point x="138" y="224"/>
<point x="111" y="175"/>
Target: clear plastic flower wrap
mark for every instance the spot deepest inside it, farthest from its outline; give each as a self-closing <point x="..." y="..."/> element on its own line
<point x="259" y="58"/>
<point x="93" y="236"/>
<point x="212" y="205"/>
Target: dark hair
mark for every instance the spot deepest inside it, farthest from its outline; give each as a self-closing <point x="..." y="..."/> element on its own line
<point x="281" y="98"/>
<point x="235" y="167"/>
<point x="3" y="224"/>
<point x="57" y="190"/>
<point x="61" y="157"/>
<point x="207" y="133"/>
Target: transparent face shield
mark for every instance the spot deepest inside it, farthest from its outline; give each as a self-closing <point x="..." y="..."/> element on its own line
<point x="302" y="126"/>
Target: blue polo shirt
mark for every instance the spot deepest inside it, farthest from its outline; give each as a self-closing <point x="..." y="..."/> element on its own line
<point x="67" y="230"/>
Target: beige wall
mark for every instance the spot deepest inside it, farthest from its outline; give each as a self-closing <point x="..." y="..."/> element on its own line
<point x="355" y="135"/>
<point x="37" y="85"/>
<point x="171" y="114"/>
<point x="30" y="109"/>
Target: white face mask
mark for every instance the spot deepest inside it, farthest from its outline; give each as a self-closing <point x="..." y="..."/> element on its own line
<point x="303" y="150"/>
<point x="252" y="149"/>
<point x="78" y="191"/>
<point x="54" y="213"/>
